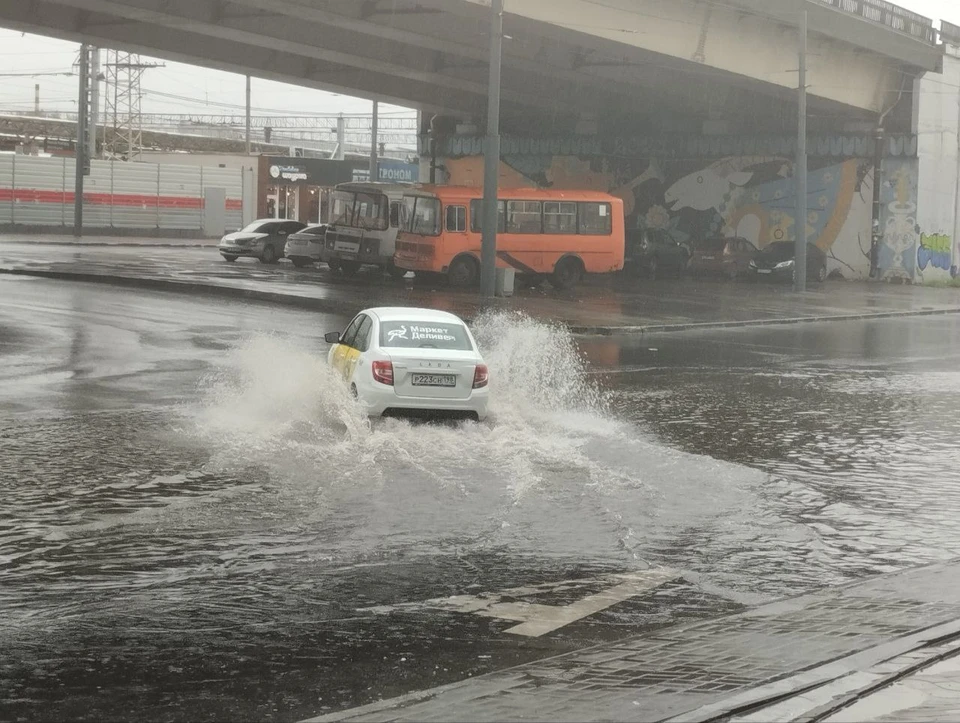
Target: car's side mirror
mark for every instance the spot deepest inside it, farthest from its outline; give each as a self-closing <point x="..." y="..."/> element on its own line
<point x="332" y="337"/>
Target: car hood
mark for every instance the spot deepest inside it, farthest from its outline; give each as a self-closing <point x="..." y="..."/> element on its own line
<point x="244" y="236"/>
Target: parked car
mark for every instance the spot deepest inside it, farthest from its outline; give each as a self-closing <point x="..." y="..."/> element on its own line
<point x="778" y="260"/>
<point x="303" y="247"/>
<point x="401" y="361"/>
<point x="263" y="239"/>
<point x="654" y="251"/>
<point x="730" y="257"/>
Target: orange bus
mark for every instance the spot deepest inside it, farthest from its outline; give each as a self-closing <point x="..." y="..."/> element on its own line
<point x="562" y="233"/>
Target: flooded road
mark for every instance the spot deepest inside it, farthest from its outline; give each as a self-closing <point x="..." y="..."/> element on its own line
<point x="197" y="524"/>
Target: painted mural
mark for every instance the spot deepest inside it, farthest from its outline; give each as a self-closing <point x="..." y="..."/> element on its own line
<point x="898" y="253"/>
<point x="748" y="196"/>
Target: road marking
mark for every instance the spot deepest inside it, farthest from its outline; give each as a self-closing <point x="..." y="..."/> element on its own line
<point x="536" y="619"/>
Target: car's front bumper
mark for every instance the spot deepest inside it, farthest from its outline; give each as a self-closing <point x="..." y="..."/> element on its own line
<point x="232" y="249"/>
<point x="773" y="274"/>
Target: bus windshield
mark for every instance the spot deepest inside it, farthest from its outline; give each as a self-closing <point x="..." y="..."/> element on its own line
<point x="421" y="215"/>
<point x="359" y="209"/>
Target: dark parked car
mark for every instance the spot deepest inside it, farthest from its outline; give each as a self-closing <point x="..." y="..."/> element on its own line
<point x="263" y="239"/>
<point x="303" y="247"/>
<point x="727" y="256"/>
<point x="654" y="251"/>
<point x="777" y="261"/>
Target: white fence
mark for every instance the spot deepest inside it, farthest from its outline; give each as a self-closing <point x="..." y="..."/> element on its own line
<point x="39" y="192"/>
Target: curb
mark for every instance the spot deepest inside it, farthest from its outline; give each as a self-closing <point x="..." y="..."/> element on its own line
<point x="119" y="244"/>
<point x="187" y="287"/>
<point x="337" y="306"/>
<point x="707" y="325"/>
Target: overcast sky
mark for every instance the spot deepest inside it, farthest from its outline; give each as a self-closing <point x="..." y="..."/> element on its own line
<point x="210" y="91"/>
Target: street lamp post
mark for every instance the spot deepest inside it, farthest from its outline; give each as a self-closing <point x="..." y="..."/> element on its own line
<point x="800" y="252"/>
<point x="491" y="159"/>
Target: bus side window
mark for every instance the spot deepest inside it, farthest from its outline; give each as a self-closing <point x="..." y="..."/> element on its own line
<point x="395" y="215"/>
<point x="456" y="218"/>
<point x="559" y="217"/>
<point x="595" y="218"/>
<point x="476" y="211"/>
<point x="524" y="217"/>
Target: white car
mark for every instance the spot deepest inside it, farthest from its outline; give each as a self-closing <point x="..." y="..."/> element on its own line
<point x="303" y="247"/>
<point x="401" y="361"/>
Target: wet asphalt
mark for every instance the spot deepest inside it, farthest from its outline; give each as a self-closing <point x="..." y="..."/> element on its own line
<point x="198" y="526"/>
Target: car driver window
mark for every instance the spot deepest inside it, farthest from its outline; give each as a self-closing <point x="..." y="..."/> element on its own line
<point x="362" y="341"/>
<point x="350" y="333"/>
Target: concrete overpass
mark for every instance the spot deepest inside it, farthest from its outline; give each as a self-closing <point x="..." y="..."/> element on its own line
<point x="635" y="66"/>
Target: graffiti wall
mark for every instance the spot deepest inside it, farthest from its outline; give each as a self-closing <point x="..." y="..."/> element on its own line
<point x="749" y="196"/>
<point x="937" y="248"/>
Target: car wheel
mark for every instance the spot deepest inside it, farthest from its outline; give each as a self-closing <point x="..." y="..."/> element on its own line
<point x="334" y="265"/>
<point x="733" y="274"/>
<point x="229" y="257"/>
<point x="652" y="267"/>
<point x="349" y="268"/>
<point x="567" y="273"/>
<point x="268" y="255"/>
<point x="300" y="262"/>
<point x="463" y="272"/>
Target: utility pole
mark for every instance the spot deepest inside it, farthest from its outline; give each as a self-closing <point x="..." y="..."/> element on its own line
<point x="82" y="159"/>
<point x="248" y="115"/>
<point x="491" y="159"/>
<point x="124" y="102"/>
<point x="36" y="99"/>
<point x="341" y="138"/>
<point x="800" y="253"/>
<point x="94" y="119"/>
<point x="374" y="147"/>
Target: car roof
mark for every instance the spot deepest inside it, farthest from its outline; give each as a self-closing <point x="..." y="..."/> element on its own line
<point x="412" y="313"/>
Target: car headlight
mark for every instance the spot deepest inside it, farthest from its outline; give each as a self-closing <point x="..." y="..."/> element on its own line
<point x="784" y="264"/>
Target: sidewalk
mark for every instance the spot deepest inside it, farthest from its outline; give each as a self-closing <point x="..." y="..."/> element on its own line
<point x="93" y="239"/>
<point x="798" y="659"/>
<point x="603" y="306"/>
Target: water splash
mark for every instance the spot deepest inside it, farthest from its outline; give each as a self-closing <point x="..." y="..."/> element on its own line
<point x="551" y="470"/>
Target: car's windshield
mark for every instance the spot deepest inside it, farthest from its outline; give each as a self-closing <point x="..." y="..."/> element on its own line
<point x="367" y="210"/>
<point x="407" y="334"/>
<point x="711" y="244"/>
<point x="779" y="251"/>
<point x="257" y="227"/>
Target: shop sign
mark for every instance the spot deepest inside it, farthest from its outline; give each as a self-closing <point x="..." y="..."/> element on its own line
<point x="288" y="173"/>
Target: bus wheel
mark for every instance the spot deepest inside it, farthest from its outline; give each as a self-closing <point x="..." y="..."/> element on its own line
<point x="567" y="273"/>
<point x="334" y="265"/>
<point x="396" y="272"/>
<point x="463" y="272"/>
<point x="349" y="268"/>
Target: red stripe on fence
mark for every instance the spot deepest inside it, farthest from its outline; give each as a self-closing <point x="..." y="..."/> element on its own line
<point x="127" y="200"/>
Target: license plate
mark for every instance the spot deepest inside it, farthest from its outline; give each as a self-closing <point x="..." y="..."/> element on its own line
<point x="349" y="248"/>
<point x="434" y="380"/>
<point x="763" y="271"/>
<point x="708" y="258"/>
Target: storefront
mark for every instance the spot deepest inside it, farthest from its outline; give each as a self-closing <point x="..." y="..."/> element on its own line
<point x="297" y="188"/>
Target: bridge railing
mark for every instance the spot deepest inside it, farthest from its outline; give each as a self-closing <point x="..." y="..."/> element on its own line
<point x="893" y="16"/>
